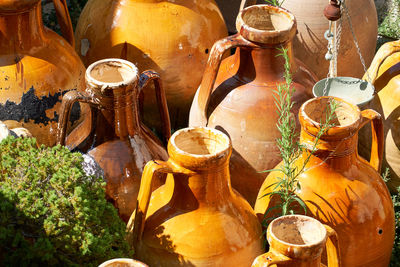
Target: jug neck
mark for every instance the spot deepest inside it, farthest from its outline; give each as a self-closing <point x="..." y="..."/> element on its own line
<point x="21" y="31"/>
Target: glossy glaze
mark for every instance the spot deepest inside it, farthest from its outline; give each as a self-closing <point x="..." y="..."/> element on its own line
<point x="236" y="95"/>
<point x="196" y="218"/>
<point x="298" y="241"/>
<point x="117" y="139"/>
<point x="384" y="73"/>
<point x="37" y="67"/>
<point x="171" y="37"/>
<point x="340" y="188"/>
<point x="310" y="45"/>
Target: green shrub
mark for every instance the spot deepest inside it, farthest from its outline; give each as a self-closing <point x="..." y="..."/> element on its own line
<point x="51" y="212"/>
<point x="396" y="249"/>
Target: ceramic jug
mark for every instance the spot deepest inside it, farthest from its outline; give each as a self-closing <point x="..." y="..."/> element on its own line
<point x="37" y="68"/>
<point x="384" y="73"/>
<point x="196" y="218"/>
<point x="122" y="263"/>
<point x="173" y="37"/>
<point x="340" y="188"/>
<point x="118" y="140"/>
<point x="298" y="241"/>
<point x="236" y="95"/>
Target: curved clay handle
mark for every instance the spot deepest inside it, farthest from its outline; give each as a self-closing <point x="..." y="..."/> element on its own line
<point x="376" y="120"/>
<point x="210" y="74"/>
<point x="64" y="20"/>
<point x="270" y="258"/>
<point x="246" y="3"/>
<point x="332" y="248"/>
<point x="145" y="78"/>
<point x="66" y="105"/>
<point x="383" y="53"/>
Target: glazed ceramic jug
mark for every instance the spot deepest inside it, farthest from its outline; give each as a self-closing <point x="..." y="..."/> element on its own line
<point x="196" y="218"/>
<point x="384" y="73"/>
<point x="118" y="140"/>
<point x="298" y="241"/>
<point x="236" y="95"/>
<point x="37" y="68"/>
<point x="122" y="263"/>
<point x="173" y="37"/>
<point x="340" y="188"/>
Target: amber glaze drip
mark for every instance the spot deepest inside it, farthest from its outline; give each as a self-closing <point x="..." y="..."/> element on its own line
<point x="15" y="26"/>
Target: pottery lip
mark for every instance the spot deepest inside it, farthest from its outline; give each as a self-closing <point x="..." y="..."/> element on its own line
<point x="266" y="36"/>
<point x="183" y="154"/>
<point x="123" y="261"/>
<point x="299" y="251"/>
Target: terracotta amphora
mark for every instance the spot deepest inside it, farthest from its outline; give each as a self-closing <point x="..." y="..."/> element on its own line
<point x="118" y="140"/>
<point x="384" y="73"/>
<point x="310" y="44"/>
<point x="298" y="241"/>
<point x="122" y="263"/>
<point x="340" y="188"/>
<point x="37" y="68"/>
<point x="196" y="218"/>
<point x="173" y="37"/>
<point x="236" y="95"/>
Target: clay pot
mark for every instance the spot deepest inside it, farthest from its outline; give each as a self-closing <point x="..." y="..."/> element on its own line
<point x="6" y="131"/>
<point x="340" y="188"/>
<point x="384" y="73"/>
<point x="37" y="66"/>
<point x="310" y="45"/>
<point x="236" y="95"/>
<point x="171" y="37"/>
<point x="196" y="218"/>
<point x="122" y="263"/>
<point x="118" y="140"/>
<point x="298" y="241"/>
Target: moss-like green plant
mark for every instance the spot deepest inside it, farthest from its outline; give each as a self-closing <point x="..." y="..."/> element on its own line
<point x="51" y="212"/>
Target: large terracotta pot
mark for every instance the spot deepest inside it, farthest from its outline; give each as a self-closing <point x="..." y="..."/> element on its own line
<point x="237" y="94"/>
<point x="298" y="241"/>
<point x="171" y="37"/>
<point x="384" y="73"/>
<point x="37" y="67"/>
<point x="339" y="187"/>
<point x="118" y="141"/>
<point x="310" y="45"/>
<point x="196" y="218"/>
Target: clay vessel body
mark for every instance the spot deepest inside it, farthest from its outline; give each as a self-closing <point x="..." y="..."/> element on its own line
<point x="298" y="241"/>
<point x="340" y="188"/>
<point x="310" y="45"/>
<point x="171" y="37"/>
<point x="237" y="95"/>
<point x="37" y="68"/>
<point x="384" y="73"/>
<point x="118" y="141"/>
<point x="196" y="218"/>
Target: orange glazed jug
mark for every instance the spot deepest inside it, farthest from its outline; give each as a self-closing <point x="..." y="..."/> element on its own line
<point x="298" y="241"/>
<point x="172" y="37"/>
<point x="37" y="67"/>
<point x="118" y="140"/>
<point x="237" y="94"/>
<point x="196" y="218"/>
<point x="340" y="188"/>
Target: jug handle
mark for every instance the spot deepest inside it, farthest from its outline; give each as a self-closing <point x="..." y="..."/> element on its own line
<point x="383" y="53"/>
<point x="145" y="78"/>
<point x="66" y="105"/>
<point x="210" y="74"/>
<point x="64" y="20"/>
<point x="376" y="120"/>
<point x="332" y="247"/>
<point x="271" y="258"/>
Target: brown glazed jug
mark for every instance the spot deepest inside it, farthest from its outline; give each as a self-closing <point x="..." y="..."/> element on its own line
<point x="340" y="188"/>
<point x="236" y="95"/>
<point x="37" y="67"/>
<point x="172" y="37"/>
<point x="298" y="241"/>
<point x="384" y="73"/>
<point x="118" y="141"/>
<point x="196" y="218"/>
